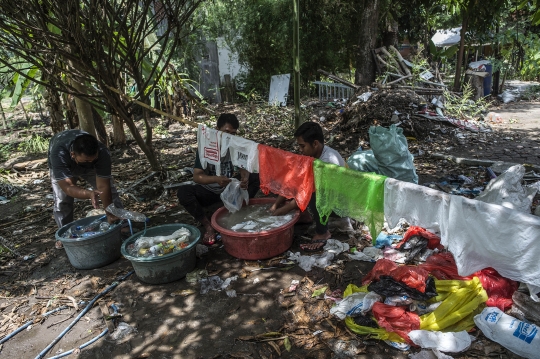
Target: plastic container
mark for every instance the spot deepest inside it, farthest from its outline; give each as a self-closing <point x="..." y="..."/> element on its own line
<point x="91" y="252"/>
<point x="259" y="245"/>
<point x="169" y="267"/>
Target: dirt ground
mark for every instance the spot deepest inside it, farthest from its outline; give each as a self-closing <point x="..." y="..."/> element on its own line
<point x="213" y="325"/>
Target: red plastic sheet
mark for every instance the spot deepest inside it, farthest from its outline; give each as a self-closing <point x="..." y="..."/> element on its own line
<point x="413" y="276"/>
<point x="434" y="241"/>
<point x="498" y="288"/>
<point x="396" y="319"/>
<point x="286" y="174"/>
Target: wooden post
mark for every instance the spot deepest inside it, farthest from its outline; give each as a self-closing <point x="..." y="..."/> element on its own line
<point x="296" y="62"/>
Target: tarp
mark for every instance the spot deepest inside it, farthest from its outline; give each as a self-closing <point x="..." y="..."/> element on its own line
<point x="443" y="38"/>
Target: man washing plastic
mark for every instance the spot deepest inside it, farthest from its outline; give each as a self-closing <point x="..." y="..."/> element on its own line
<point x="310" y="140"/>
<point x="74" y="155"/>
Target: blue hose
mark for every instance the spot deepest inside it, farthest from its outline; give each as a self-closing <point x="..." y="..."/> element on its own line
<point x="27" y="324"/>
<point x="85" y="310"/>
<point x="82" y="346"/>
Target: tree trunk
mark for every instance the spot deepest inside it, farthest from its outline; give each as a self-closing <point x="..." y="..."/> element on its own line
<point x="54" y="106"/>
<point x="367" y="29"/>
<point x="119" y="135"/>
<point x="145" y="147"/>
<point x="100" y="127"/>
<point x="459" y="62"/>
<point x="496" y="74"/>
<point x="84" y="110"/>
<point x="4" y="122"/>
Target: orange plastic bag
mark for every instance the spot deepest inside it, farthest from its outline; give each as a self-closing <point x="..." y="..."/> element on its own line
<point x="396" y="319"/>
<point x="412" y="276"/>
<point x="286" y="174"/>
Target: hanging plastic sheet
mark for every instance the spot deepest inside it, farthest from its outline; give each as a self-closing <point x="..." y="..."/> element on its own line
<point x="209" y="146"/>
<point x="244" y="153"/>
<point x="349" y="193"/>
<point x="286" y="174"/>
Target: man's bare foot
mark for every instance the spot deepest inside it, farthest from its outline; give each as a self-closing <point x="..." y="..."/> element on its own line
<point x="323" y="236"/>
<point x="209" y="237"/>
<point x="313" y="246"/>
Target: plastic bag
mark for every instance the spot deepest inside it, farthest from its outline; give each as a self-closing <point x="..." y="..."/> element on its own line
<point x="507" y="190"/>
<point x="461" y="299"/>
<point x="434" y="241"/>
<point x="294" y="179"/>
<point x="364" y="201"/>
<point x="388" y="286"/>
<point x="498" y="288"/>
<point x="122" y="330"/>
<point x="234" y="196"/>
<point x="412" y="276"/>
<point x="356" y="303"/>
<point x="377" y="333"/>
<point x="363" y="161"/>
<point x="390" y="148"/>
<point x="515" y="335"/>
<point x="125" y="214"/>
<point x="307" y="262"/>
<point x="396" y="319"/>
<point x="445" y="342"/>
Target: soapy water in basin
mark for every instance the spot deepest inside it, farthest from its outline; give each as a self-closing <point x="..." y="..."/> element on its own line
<point x="253" y="218"/>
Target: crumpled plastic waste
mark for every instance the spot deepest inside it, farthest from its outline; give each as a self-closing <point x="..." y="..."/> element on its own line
<point x="394" y="255"/>
<point x="434" y="241"/>
<point x="122" y="330"/>
<point x="388" y="286"/>
<point x="369" y="254"/>
<point x="215" y="283"/>
<point x="308" y="262"/>
<point x="386" y="240"/>
<point x="412" y="276"/>
<point x="396" y="319"/>
<point x="195" y="276"/>
<point x="335" y="246"/>
<point x="507" y="190"/>
<point x="354" y="304"/>
<point x="234" y="196"/>
<point x="452" y="342"/>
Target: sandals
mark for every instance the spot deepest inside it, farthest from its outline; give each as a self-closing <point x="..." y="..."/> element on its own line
<point x="209" y="239"/>
<point x="313" y="246"/>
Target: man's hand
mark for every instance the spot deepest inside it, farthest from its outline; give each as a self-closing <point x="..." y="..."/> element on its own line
<point x="244" y="178"/>
<point x="223" y="181"/>
<point x="94" y="197"/>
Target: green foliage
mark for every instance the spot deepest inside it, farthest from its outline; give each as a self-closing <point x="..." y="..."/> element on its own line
<point x="34" y="144"/>
<point x="5" y="151"/>
<point x="464" y="106"/>
<point x="160" y="130"/>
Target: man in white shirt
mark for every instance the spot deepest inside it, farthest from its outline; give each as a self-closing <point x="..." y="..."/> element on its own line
<point x="310" y="139"/>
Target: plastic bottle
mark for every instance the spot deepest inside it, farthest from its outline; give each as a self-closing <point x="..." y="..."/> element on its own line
<point x="89" y="234"/>
<point x="125" y="214"/>
<point x="104" y="226"/>
<point x="76" y="231"/>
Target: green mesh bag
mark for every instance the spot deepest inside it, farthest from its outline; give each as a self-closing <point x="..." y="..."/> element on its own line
<point x="350" y="193"/>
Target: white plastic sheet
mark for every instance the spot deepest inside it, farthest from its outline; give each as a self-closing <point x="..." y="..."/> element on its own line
<point x="234" y="196"/>
<point x="244" y="153"/>
<point x="308" y="262"/>
<point x="335" y="246"/>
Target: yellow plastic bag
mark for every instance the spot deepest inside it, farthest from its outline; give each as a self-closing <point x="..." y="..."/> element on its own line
<point x="461" y="300"/>
<point x="377" y="333"/>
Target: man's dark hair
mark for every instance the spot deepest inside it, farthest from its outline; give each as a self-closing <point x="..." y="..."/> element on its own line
<point x="310" y="131"/>
<point x="229" y="118"/>
<point x="85" y="145"/>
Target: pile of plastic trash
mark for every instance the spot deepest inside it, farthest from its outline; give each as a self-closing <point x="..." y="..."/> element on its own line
<point x="160" y="245"/>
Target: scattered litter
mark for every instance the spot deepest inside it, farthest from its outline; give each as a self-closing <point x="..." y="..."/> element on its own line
<point x="400" y="346"/>
<point x="160" y="209"/>
<point x="294" y="284"/>
<point x="317" y="332"/>
<point x="17" y="232"/>
<point x="256" y="280"/>
<point x="307" y="262"/>
<point x="38" y="181"/>
<point x="122" y="330"/>
<point x="195" y="276"/>
<point x="183" y="293"/>
<point x="231" y="293"/>
<point x="318" y="292"/>
<point x="356" y="303"/>
<point x="215" y="283"/>
<point x="335" y="246"/>
<point x="387" y="240"/>
<point x="28" y="257"/>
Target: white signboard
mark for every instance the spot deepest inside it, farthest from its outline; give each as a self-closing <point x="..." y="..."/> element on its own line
<point x="279" y="89"/>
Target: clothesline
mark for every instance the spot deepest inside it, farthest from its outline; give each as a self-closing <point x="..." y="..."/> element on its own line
<point x="478" y="234"/>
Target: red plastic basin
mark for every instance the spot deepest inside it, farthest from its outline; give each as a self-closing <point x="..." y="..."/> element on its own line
<point x="259" y="245"/>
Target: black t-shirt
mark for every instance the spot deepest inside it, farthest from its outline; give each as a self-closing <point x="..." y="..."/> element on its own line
<point x="63" y="166"/>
